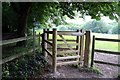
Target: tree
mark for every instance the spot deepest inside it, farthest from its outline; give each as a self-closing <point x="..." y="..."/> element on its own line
<point x="55" y="11"/>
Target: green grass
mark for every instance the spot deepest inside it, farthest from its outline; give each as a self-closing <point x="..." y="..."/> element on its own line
<point x="105" y="45"/>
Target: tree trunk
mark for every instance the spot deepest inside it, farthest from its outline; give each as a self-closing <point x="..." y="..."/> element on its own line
<point x="22" y="21"/>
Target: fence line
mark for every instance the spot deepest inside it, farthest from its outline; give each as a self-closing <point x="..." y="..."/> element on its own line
<point x="10" y="58"/>
<point x="103" y="51"/>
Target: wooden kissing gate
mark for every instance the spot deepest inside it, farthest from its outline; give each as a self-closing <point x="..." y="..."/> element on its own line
<point x="81" y="50"/>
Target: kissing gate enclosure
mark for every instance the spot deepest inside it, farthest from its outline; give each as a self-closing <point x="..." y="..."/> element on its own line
<point x="56" y="49"/>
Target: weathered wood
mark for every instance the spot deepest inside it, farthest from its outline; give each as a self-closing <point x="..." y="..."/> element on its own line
<point x="50" y="32"/>
<point x="5" y="42"/>
<point x="92" y="55"/>
<point x="70" y="33"/>
<point x="78" y="46"/>
<point x="54" y="50"/>
<point x="78" y="34"/>
<point x="87" y="48"/>
<point x="34" y="41"/>
<point x="65" y="42"/>
<point x="62" y="40"/>
<point x="109" y="52"/>
<point x="39" y="40"/>
<point x="101" y="62"/>
<point x="68" y="51"/>
<point x="68" y="57"/>
<point x="49" y="52"/>
<point x="71" y="44"/>
<point x="15" y="56"/>
<point x="66" y="63"/>
<point x="81" y="52"/>
<point x="44" y="44"/>
<point x="61" y="48"/>
<point x="48" y="42"/>
<point x="105" y="39"/>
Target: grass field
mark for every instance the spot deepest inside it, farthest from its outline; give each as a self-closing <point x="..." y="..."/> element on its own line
<point x="104" y="45"/>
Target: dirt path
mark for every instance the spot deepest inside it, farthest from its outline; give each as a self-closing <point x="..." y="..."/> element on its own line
<point x="73" y="72"/>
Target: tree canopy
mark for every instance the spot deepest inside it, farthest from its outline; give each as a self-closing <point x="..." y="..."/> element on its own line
<point x="53" y="12"/>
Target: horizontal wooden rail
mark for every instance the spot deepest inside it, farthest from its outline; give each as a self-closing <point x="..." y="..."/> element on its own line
<point x="49" y="52"/>
<point x="101" y="62"/>
<point x="109" y="52"/>
<point x="50" y="32"/>
<point x="68" y="57"/>
<point x="71" y="33"/>
<point x="71" y="44"/>
<point x="5" y="42"/>
<point x="15" y="56"/>
<point x="68" y="51"/>
<point x="48" y="42"/>
<point x="58" y="48"/>
<point x="66" y="63"/>
<point x="62" y="40"/>
<point x="104" y="39"/>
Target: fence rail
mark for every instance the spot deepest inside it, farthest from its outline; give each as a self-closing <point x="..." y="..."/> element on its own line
<point x="10" y="58"/>
<point x="103" y="51"/>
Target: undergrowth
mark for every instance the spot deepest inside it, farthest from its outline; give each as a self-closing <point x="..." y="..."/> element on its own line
<point x="24" y="67"/>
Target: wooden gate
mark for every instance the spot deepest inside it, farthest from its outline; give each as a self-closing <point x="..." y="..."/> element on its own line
<point x="53" y="49"/>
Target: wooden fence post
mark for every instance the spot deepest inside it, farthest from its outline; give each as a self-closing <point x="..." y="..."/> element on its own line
<point x="78" y="46"/>
<point x="39" y="40"/>
<point x="44" y="44"/>
<point x="81" y="47"/>
<point x="54" y="50"/>
<point x="47" y="34"/>
<point x="92" y="55"/>
<point x="87" y="48"/>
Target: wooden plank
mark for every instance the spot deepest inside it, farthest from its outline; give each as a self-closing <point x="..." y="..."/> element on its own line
<point x="105" y="39"/>
<point x="4" y="42"/>
<point x="66" y="63"/>
<point x="105" y="51"/>
<point x="101" y="62"/>
<point x="58" y="48"/>
<point x="92" y="55"/>
<point x="78" y="34"/>
<point x="70" y="33"/>
<point x="62" y="40"/>
<point x="71" y="44"/>
<point x="54" y="50"/>
<point x="66" y="42"/>
<point x="87" y="48"/>
<point x="15" y="56"/>
<point x="48" y="42"/>
<point x="49" y="53"/>
<point x="78" y="46"/>
<point x="39" y="40"/>
<point x="68" y="51"/>
<point x="81" y="52"/>
<point x="44" y="45"/>
<point x="68" y="57"/>
<point x="50" y="32"/>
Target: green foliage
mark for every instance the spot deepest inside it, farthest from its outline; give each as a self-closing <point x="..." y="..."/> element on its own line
<point x="96" y="26"/>
<point x="9" y="18"/>
<point x="27" y="66"/>
<point x="116" y="30"/>
<point x="69" y="26"/>
<point x="54" y="12"/>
